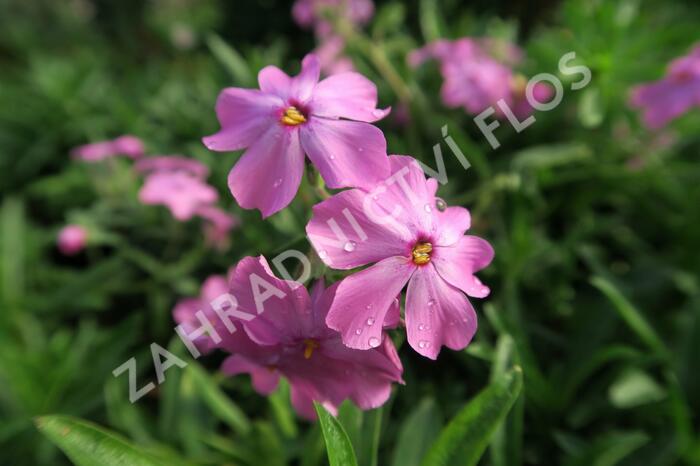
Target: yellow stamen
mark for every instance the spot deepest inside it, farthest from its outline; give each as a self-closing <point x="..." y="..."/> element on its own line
<point x="421" y="253"/>
<point x="293" y="117"/>
<point x="309" y="346"/>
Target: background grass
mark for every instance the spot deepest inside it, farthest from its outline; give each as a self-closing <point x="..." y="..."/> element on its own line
<point x="594" y="219"/>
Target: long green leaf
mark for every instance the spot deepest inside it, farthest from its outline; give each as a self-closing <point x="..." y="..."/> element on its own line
<point x="468" y="434"/>
<point x="338" y="445"/>
<point x="86" y="444"/>
<point x="416" y="434"/>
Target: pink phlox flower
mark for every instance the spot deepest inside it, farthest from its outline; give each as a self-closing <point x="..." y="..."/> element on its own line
<point x="289" y="338"/>
<point x="128" y="145"/>
<point x="407" y="236"/>
<point x="181" y="192"/>
<point x="291" y="116"/>
<point x="72" y="239"/>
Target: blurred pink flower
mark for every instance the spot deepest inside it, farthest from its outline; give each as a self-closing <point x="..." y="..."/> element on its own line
<point x="172" y="163"/>
<point x="290" y="339"/>
<point x="217" y="226"/>
<point x="185" y="311"/>
<point x="672" y="96"/>
<point x="310" y="13"/>
<point x="72" y="239"/>
<point x="411" y="237"/>
<point x="292" y="116"/>
<point x="183" y="193"/>
<point x="130" y="146"/>
<point x="330" y="56"/>
<point x="478" y="73"/>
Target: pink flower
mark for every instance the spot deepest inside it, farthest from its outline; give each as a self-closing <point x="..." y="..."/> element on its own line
<point x="309" y="13"/>
<point x="185" y="311"/>
<point x="172" y="163"/>
<point x="290" y="339"/>
<point x="672" y="96"/>
<point x="130" y="146"/>
<point x="218" y="224"/>
<point x="72" y="239"/>
<point x="289" y="117"/>
<point x="330" y="56"/>
<point x="478" y="73"/>
<point x="183" y="193"/>
<point x="412" y="238"/>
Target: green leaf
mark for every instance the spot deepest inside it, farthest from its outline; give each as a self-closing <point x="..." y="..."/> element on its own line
<point x="86" y="444"/>
<point x="282" y="410"/>
<point x="469" y="432"/>
<point x="219" y="403"/>
<point x="416" y="434"/>
<point x="631" y="315"/>
<point x="551" y="155"/>
<point x="634" y="388"/>
<point x="506" y="443"/>
<point x="338" y="446"/>
<point x="230" y="59"/>
<point x="590" y="110"/>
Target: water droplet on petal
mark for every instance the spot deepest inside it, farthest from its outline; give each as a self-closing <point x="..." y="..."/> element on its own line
<point x="358" y="331"/>
<point x="360" y="149"/>
<point x="374" y="342"/>
<point x="322" y="254"/>
<point x="378" y="113"/>
<point x="431" y="303"/>
<point x="349" y="246"/>
<point x="370" y="321"/>
<point x="423" y="344"/>
<point x="332" y="157"/>
<point x="396" y="301"/>
<point x="427" y="208"/>
<point x="368" y="307"/>
<point x="421" y="326"/>
<point x="277" y="182"/>
<point x="440" y="204"/>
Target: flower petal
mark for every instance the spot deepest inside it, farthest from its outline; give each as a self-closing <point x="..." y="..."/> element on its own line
<point x="267" y="177"/>
<point x="437" y="314"/>
<point x="273" y="80"/>
<point x="346" y="234"/>
<point x="363" y="299"/>
<point x="244" y="115"/>
<point x="303" y="84"/>
<point x="452" y="224"/>
<point x="347" y="153"/>
<point x="458" y="264"/>
<point x="264" y="379"/>
<point x="347" y="95"/>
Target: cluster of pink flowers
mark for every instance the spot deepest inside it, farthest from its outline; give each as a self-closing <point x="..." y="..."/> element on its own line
<point x="477" y="73"/>
<point x="332" y="345"/>
<point x="672" y="96"/>
<point x="314" y="14"/>
<point x="175" y="182"/>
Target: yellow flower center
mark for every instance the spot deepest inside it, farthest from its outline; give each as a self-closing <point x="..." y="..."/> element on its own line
<point x="309" y="346"/>
<point x="293" y="117"/>
<point x="421" y="253"/>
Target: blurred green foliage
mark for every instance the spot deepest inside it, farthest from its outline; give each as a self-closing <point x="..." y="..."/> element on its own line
<point x="594" y="219"/>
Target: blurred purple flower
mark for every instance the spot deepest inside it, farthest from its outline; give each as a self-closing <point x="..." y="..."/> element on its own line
<point x="478" y="73"/>
<point x="290" y="339"/>
<point x="292" y="116"/>
<point x="310" y="13"/>
<point x="183" y="193"/>
<point x="72" y="239"/>
<point x="130" y="146"/>
<point x="172" y="163"/>
<point x="672" y="96"/>
<point x="411" y="237"/>
<point x="217" y="226"/>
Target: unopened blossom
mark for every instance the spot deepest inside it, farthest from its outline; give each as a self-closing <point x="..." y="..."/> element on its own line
<point x="672" y="96"/>
<point x="185" y="311"/>
<point x="408" y="236"/>
<point x="72" y="239"/>
<point x="181" y="192"/>
<point x="130" y="146"/>
<point x="478" y="73"/>
<point x="290" y="339"/>
<point x="292" y="116"/>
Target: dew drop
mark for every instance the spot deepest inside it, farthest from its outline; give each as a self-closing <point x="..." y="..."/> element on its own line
<point x="349" y="246"/>
<point x="332" y="157"/>
<point x="396" y="301"/>
<point x="360" y="149"/>
<point x="427" y="208"/>
<point x="368" y="307"/>
<point x="277" y="182"/>
<point x="423" y="344"/>
<point x="322" y="254"/>
<point x="358" y="331"/>
<point x="370" y="321"/>
<point x="440" y="204"/>
<point x="431" y="303"/>
<point x="374" y="342"/>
